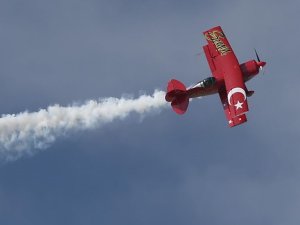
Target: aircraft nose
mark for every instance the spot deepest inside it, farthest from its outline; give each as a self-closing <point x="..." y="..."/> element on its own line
<point x="261" y="64"/>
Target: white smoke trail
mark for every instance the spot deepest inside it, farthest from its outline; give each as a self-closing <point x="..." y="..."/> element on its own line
<point x="26" y="132"/>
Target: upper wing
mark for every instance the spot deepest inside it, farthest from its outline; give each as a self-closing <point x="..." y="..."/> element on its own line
<point x="225" y="66"/>
<point x="232" y="121"/>
<point x="217" y="47"/>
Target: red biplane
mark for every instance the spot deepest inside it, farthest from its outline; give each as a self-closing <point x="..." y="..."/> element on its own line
<point x="228" y="80"/>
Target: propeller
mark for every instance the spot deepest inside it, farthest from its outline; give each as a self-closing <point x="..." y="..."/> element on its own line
<point x="258" y="59"/>
<point x="259" y="63"/>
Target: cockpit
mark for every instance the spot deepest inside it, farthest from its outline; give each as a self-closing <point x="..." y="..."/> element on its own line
<point x="206" y="83"/>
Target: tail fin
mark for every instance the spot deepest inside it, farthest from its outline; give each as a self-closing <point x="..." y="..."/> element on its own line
<point x="177" y="95"/>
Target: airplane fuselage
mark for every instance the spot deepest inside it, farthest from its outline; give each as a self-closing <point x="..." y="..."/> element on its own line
<point x="249" y="70"/>
<point x="227" y="80"/>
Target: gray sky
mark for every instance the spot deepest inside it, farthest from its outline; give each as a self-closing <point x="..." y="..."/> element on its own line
<point x="165" y="169"/>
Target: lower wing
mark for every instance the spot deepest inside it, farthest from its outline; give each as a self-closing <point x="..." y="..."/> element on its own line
<point x="232" y="121"/>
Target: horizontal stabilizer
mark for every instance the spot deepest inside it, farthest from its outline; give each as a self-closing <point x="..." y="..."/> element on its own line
<point x="175" y="85"/>
<point x="180" y="105"/>
<point x="177" y="95"/>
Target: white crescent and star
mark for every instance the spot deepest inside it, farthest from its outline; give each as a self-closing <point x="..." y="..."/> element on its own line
<point x="239" y="104"/>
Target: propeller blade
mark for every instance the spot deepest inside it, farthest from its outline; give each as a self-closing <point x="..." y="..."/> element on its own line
<point x="258" y="59"/>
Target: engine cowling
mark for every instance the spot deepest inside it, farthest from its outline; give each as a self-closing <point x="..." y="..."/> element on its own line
<point x="249" y="69"/>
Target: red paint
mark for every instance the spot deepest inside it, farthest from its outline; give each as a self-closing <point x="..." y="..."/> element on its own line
<point x="229" y="79"/>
